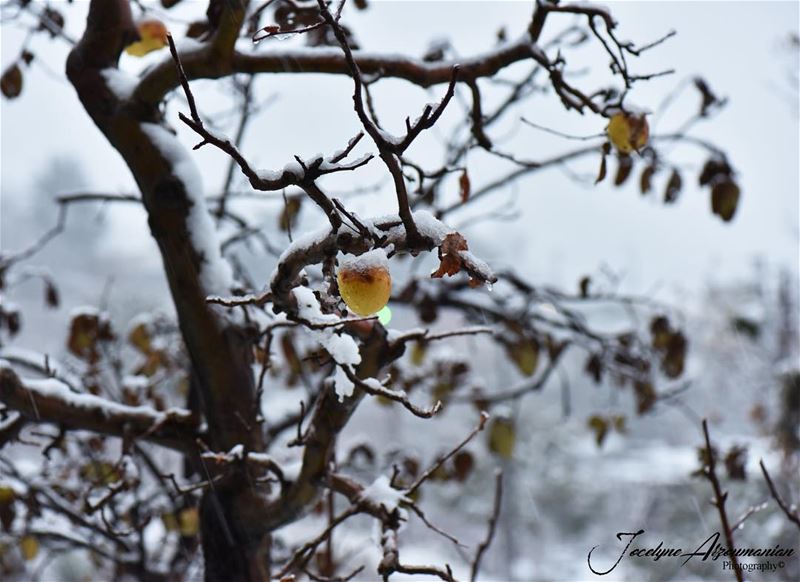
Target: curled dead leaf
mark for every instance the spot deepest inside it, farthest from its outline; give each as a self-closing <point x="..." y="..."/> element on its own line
<point x="449" y="257"/>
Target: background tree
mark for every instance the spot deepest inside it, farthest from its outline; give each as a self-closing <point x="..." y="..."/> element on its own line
<point x="172" y="420"/>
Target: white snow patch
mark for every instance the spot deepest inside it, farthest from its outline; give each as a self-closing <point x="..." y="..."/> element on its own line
<point x="121" y="84"/>
<point x="366" y="262"/>
<point x="342" y="347"/>
<point x="292" y="168"/>
<point x="343" y="386"/>
<point x="52" y="388"/>
<point x="136" y="383"/>
<point x="382" y="493"/>
<point x="308" y="307"/>
<point x="87" y="310"/>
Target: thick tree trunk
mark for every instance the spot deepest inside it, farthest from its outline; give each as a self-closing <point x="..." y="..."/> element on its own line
<point x="235" y="544"/>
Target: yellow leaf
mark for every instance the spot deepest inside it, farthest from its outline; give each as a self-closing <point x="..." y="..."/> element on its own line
<point x="502" y="437"/>
<point x="525" y="354"/>
<point x="170" y="521"/>
<point x="418" y="353"/>
<point x="155" y="360"/>
<point x="598" y="425"/>
<point x="6" y="494"/>
<point x="100" y="473"/>
<point x="153" y="36"/>
<point x="139" y="338"/>
<point x="628" y="132"/>
<point x="29" y="546"/>
<point x="189" y="522"/>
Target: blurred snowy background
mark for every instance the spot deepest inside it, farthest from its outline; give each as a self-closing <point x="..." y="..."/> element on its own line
<point x="733" y="284"/>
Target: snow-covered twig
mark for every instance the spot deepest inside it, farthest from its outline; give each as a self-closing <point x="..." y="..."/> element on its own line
<point x="375" y="388"/>
<point x="51" y="401"/>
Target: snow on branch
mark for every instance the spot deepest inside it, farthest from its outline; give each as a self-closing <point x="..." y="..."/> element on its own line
<point x="215" y="275"/>
<point x="389" y="232"/>
<point x="51" y="401"/>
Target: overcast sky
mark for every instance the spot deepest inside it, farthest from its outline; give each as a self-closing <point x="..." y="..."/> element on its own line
<point x="564" y="229"/>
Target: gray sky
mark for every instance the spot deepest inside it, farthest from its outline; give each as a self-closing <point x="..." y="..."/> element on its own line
<point x="564" y="229"/>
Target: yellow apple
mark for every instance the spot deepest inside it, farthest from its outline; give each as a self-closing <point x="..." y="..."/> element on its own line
<point x="364" y="282"/>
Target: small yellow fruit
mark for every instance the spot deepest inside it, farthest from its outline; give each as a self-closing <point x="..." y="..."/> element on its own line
<point x="153" y="36"/>
<point x="628" y="131"/>
<point x="364" y="282"/>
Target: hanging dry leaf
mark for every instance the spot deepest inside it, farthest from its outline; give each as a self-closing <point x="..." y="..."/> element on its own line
<point x="449" y="257"/>
<point x="645" y="395"/>
<point x="11" y="82"/>
<point x="673" y="189"/>
<point x="725" y="199"/>
<point x="170" y="521"/>
<point x="29" y="546"/>
<point x="603" y="167"/>
<point x="189" y="522"/>
<point x="51" y="294"/>
<point x="736" y="463"/>
<point x="140" y="338"/>
<point x="290" y="212"/>
<point x="418" y="351"/>
<point x="86" y="330"/>
<point x="624" y="167"/>
<point x="525" y="354"/>
<point x="675" y="355"/>
<point x="464" y="186"/>
<point x="713" y="170"/>
<point x="660" y="330"/>
<point x="502" y="437"/>
<point x="583" y="285"/>
<point x="599" y="426"/>
<point x="594" y="367"/>
<point x="7" y="509"/>
<point x="463" y="463"/>
<point x="645" y="180"/>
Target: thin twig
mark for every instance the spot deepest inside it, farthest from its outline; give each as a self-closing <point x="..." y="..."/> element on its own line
<point x="442" y="460"/>
<point x="482" y="547"/>
<point x="710" y="471"/>
<point x="793" y="516"/>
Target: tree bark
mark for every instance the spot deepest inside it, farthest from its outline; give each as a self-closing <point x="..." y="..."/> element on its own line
<point x="235" y="545"/>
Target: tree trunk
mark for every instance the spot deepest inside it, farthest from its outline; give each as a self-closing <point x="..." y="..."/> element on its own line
<point x="235" y="546"/>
